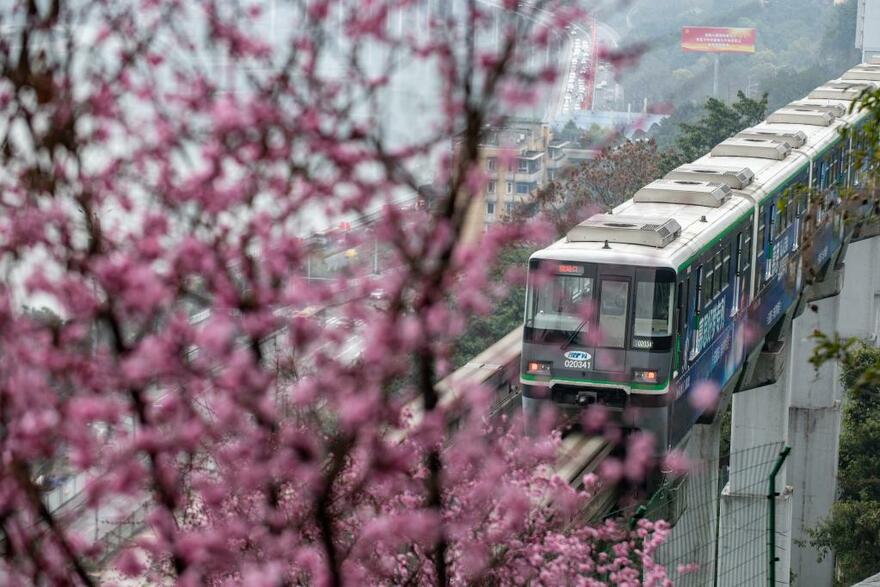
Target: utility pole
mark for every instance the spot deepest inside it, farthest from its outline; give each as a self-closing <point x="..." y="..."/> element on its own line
<point x="715" y="79"/>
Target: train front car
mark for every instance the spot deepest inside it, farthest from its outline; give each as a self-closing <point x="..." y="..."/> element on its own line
<point x="600" y="318"/>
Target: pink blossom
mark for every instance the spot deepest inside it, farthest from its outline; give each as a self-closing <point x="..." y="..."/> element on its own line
<point x="676" y="463"/>
<point x="170" y="207"/>
<point x="130" y="562"/>
<point x="639" y="454"/>
<point x="594" y="418"/>
<point x="228" y="116"/>
<point x="611" y="470"/>
<point x="216" y="337"/>
<point x="705" y="395"/>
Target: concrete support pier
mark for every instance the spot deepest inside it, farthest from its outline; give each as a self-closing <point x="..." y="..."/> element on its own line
<point x="814" y="429"/>
<point x="860" y="296"/>
<point x="759" y="430"/>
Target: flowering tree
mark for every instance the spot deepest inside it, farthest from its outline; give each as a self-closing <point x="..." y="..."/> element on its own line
<point x="159" y="159"/>
<point x="599" y="184"/>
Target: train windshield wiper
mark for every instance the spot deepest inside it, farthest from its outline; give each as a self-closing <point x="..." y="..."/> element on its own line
<point x="574" y="334"/>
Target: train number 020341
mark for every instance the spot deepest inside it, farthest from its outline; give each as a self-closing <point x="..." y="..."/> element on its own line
<point x="569" y="364"/>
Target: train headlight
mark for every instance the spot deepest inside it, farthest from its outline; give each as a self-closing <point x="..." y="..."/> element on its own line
<point x="645" y="375"/>
<point x="538" y="367"/>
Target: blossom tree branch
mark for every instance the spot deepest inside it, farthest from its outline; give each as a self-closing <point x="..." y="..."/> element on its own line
<point x="170" y="171"/>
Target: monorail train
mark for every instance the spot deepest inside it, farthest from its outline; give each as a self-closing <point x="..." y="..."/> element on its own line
<point x="679" y="284"/>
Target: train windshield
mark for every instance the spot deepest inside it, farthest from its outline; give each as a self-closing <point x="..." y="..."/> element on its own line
<point x="611" y="307"/>
<point x="558" y="303"/>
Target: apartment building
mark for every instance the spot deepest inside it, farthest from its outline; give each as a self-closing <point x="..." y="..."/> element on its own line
<point x="518" y="159"/>
<point x="514" y="159"/>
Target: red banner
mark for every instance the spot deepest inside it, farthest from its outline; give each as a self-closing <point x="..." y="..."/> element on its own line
<point x="718" y="39"/>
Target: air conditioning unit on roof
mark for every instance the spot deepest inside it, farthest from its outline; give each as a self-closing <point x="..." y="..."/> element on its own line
<point x="792" y="138"/>
<point x="684" y="191"/>
<point x="835" y="109"/>
<point x="758" y="148"/>
<point x="629" y="230"/>
<point x="798" y="115"/>
<point x="734" y="177"/>
<point x="839" y="91"/>
<point x="868" y="72"/>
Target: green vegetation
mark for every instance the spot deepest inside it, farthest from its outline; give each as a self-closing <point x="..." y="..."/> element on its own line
<point x="507" y="314"/>
<point x="592" y="138"/>
<point x="852" y="531"/>
<point x="717" y="122"/>
<point x="598" y="184"/>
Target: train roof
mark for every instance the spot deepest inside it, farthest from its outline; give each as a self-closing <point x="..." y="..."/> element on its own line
<point x="669" y="221"/>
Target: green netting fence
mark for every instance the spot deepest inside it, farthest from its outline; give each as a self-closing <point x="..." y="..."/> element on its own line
<point x="722" y="534"/>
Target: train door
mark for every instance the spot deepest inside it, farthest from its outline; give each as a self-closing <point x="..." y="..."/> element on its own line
<point x="613" y="302"/>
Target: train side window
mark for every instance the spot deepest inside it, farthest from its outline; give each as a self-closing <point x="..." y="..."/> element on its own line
<point x="708" y="282"/>
<point x="725" y="269"/>
<point x="684" y="319"/>
<point x="838" y="176"/>
<point x="772" y="222"/>
<point x="700" y="285"/>
<point x="698" y="305"/>
<point x="719" y="274"/>
<point x="746" y="257"/>
<point x="767" y="241"/>
<point x="679" y="309"/>
<point x="762" y="225"/>
<point x="737" y="277"/>
<point x="773" y="219"/>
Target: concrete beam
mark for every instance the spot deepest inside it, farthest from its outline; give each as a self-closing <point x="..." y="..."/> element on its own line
<point x="866" y="230"/>
<point x="812" y="387"/>
<point x="828" y="287"/>
<point x="766" y="367"/>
